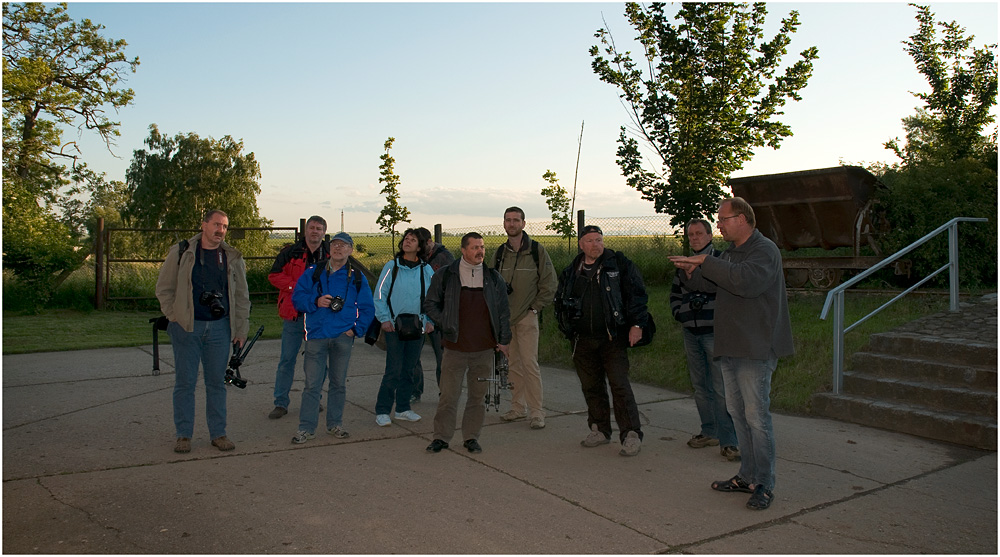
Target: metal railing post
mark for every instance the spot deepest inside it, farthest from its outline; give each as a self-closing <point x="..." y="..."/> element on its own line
<point x="838" y="342"/>
<point x="99" y="265"/>
<point x="953" y="263"/>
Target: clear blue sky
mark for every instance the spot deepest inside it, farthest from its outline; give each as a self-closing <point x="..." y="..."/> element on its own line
<point x="481" y="98"/>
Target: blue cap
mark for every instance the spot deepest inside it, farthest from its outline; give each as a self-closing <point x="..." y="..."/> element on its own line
<point x="343" y="237"/>
<point x="590" y="228"/>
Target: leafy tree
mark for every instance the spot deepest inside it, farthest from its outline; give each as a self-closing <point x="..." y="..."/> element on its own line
<point x="57" y="73"/>
<point x="949" y="165"/>
<point x="705" y="94"/>
<point x="963" y="84"/>
<point x="179" y="179"/>
<point x="392" y="212"/>
<point x="557" y="199"/>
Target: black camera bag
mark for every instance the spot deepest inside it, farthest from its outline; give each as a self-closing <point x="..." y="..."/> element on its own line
<point x="408" y="325"/>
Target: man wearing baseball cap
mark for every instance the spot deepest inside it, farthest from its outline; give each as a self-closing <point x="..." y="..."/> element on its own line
<point x="601" y="308"/>
<point x="338" y="307"/>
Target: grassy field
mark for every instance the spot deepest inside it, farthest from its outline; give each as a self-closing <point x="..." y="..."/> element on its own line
<point x="662" y="363"/>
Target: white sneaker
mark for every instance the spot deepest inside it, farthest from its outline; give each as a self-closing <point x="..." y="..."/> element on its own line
<point x="339" y="432"/>
<point x="595" y="438"/>
<point x="302" y="437"/>
<point x="383" y="420"/>
<point x="631" y="444"/>
<point x="408" y="416"/>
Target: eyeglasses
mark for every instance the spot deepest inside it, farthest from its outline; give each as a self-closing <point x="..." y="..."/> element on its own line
<point x="724" y="219"/>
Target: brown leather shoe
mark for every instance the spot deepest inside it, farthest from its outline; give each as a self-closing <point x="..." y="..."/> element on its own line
<point x="223" y="443"/>
<point x="183" y="445"/>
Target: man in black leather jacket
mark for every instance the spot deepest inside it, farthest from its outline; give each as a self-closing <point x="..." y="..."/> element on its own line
<point x="467" y="302"/>
<point x="601" y="308"/>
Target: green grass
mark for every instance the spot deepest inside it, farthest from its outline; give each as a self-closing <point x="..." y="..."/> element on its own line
<point x="797" y="378"/>
<point x="55" y="330"/>
<point x="662" y="363"/>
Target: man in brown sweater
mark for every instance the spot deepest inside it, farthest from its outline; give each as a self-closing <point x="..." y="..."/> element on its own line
<point x="468" y="304"/>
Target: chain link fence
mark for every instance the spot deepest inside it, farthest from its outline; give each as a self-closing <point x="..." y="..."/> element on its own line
<point x="646" y="240"/>
<point x="131" y="258"/>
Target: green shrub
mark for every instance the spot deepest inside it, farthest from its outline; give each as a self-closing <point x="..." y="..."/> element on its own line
<point x="922" y="197"/>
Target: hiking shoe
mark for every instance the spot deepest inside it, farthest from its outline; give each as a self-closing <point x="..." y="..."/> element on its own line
<point x="631" y="444"/>
<point x="223" y="443"/>
<point x="277" y="413"/>
<point x="473" y="446"/>
<point x="513" y="415"/>
<point x="595" y="438"/>
<point x="339" y="432"/>
<point x="700" y="441"/>
<point x="383" y="420"/>
<point x="408" y="416"/>
<point x="183" y="445"/>
<point x="537" y="422"/>
<point x="436" y="446"/>
<point x="730" y="452"/>
<point x="302" y="437"/>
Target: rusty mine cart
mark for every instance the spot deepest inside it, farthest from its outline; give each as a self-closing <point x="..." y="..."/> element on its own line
<point x="826" y="208"/>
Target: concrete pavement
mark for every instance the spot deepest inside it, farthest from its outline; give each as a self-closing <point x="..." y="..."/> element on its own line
<point x="88" y="467"/>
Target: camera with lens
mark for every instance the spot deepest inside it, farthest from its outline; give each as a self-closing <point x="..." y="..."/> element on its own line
<point x="213" y="299"/>
<point x="510" y="289"/>
<point x="571" y="308"/>
<point x="336" y="304"/>
<point x="698" y="301"/>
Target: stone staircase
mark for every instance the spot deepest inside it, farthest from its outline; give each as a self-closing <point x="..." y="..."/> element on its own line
<point x="935" y="377"/>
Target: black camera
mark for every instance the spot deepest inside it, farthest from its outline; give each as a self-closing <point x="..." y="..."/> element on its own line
<point x="337" y="304"/>
<point x="698" y="301"/>
<point x="510" y="289"/>
<point x="572" y="308"/>
<point x="213" y="299"/>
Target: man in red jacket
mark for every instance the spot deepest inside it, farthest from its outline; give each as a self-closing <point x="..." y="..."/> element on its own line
<point x="288" y="267"/>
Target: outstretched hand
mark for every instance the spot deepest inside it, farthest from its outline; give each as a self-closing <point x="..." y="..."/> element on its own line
<point x="688" y="264"/>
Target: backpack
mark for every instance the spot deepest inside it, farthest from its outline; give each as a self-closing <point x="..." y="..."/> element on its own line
<point x="499" y="255"/>
<point x="182" y="247"/>
<point x="321" y="266"/>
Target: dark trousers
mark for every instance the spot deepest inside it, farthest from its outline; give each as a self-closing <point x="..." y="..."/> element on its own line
<point x="601" y="363"/>
<point x="418" y="370"/>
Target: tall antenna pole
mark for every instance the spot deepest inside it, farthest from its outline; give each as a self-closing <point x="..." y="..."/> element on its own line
<point x="576" y="173"/>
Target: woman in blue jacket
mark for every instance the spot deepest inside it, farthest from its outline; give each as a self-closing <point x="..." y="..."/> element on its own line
<point x="399" y="295"/>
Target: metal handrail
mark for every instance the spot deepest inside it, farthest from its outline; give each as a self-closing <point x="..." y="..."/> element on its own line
<point x="836" y="296"/>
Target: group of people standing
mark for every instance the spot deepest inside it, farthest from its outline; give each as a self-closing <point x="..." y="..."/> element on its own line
<point x="731" y="304"/>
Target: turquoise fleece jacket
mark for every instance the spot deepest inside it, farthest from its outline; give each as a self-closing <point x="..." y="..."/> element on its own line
<point x="405" y="292"/>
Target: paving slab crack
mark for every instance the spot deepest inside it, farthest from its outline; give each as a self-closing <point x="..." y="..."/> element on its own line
<point x="90" y="517"/>
<point x="92" y="406"/>
<point x="791" y="518"/>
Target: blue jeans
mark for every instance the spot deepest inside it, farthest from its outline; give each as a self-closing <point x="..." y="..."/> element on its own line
<point x="210" y="344"/>
<point x="709" y="388"/>
<point x="325" y="356"/>
<point x="292" y="334"/>
<point x="748" y="397"/>
<point x="398" y="386"/>
<point x="418" y="370"/>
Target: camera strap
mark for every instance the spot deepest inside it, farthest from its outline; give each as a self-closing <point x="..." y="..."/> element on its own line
<point x="392" y="282"/>
<point x="351" y="272"/>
